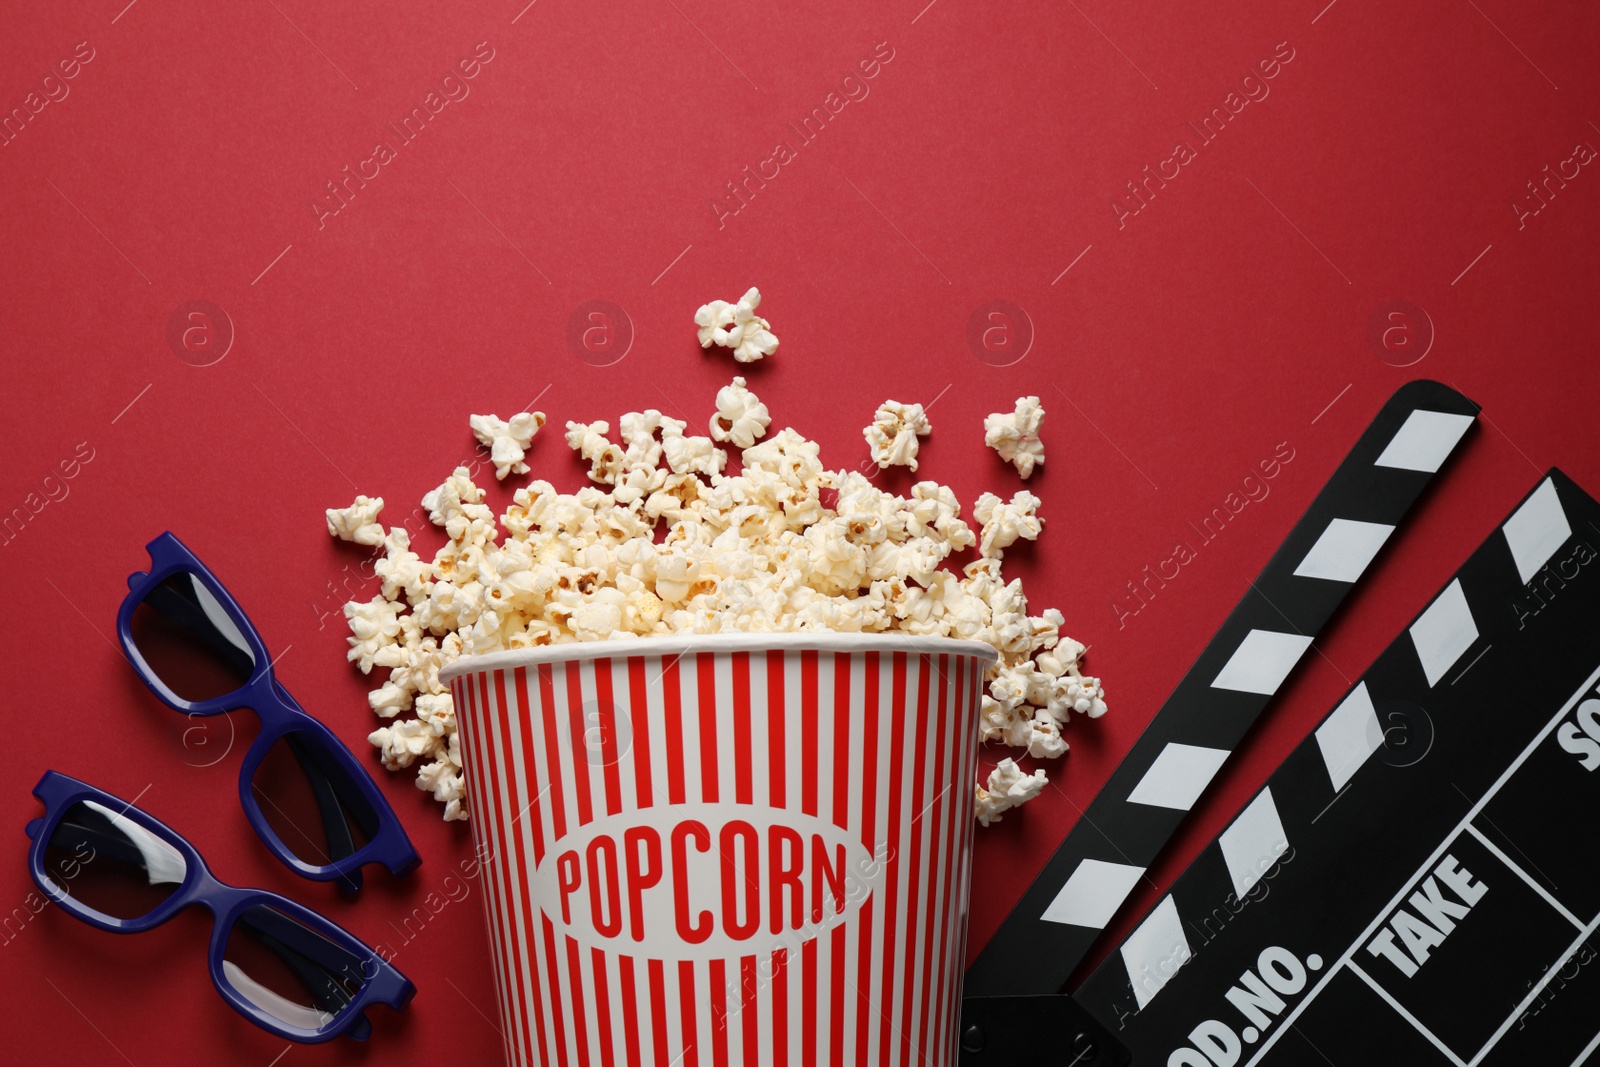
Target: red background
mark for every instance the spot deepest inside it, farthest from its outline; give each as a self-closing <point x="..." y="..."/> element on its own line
<point x="1230" y="314"/>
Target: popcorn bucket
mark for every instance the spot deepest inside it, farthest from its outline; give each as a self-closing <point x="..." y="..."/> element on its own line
<point x="741" y="849"/>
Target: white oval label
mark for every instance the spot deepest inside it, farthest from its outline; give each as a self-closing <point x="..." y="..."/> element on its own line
<point x="704" y="881"/>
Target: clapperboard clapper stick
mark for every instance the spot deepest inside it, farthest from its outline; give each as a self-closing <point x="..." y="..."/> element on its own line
<point x="1132" y="818"/>
<point x="1418" y="882"/>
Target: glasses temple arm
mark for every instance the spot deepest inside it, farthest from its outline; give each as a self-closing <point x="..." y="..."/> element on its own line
<point x="317" y="960"/>
<point x="330" y="996"/>
<point x="343" y="781"/>
<point x="340" y="841"/>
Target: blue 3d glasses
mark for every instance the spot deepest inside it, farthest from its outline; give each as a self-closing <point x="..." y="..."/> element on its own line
<point x="307" y="796"/>
<point x="280" y="965"/>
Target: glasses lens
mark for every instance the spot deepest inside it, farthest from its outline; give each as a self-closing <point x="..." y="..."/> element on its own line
<point x="289" y="970"/>
<point x="110" y="864"/>
<point x="190" y="642"/>
<point x="310" y="801"/>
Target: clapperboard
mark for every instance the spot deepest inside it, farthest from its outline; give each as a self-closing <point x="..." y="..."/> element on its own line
<point x="1418" y="882"/>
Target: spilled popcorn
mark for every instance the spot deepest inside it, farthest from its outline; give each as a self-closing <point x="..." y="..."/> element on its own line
<point x="358" y="522"/>
<point x="1007" y="788"/>
<point x="507" y="441"/>
<point x="741" y="417"/>
<point x="892" y="437"/>
<point x="666" y="543"/>
<point x="1016" y="436"/>
<point x="1004" y="524"/>
<point x="736" y="326"/>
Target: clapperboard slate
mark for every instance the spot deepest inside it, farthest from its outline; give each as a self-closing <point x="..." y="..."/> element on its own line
<point x="1419" y="881"/>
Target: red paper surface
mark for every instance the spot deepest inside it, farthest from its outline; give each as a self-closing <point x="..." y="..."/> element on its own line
<point x="1242" y="309"/>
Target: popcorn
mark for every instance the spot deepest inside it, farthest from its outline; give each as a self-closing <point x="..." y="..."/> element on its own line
<point x="1001" y="722"/>
<point x="675" y="575"/>
<point x="1008" y="787"/>
<point x="507" y="441"/>
<point x="437" y="711"/>
<point x="597" y="620"/>
<point x="443" y="778"/>
<point x="373" y="626"/>
<point x="358" y="522"/>
<point x="741" y="417"/>
<point x="389" y="700"/>
<point x="458" y="506"/>
<point x="894" y="432"/>
<point x="1086" y="697"/>
<point x="638" y="429"/>
<point x="736" y="326"/>
<point x="751" y="336"/>
<point x="402" y="570"/>
<point x="666" y="542"/>
<point x="693" y="455"/>
<point x="403" y="742"/>
<point x="1044" y="740"/>
<point x="713" y="319"/>
<point x="1016" y="436"/>
<point x="589" y="441"/>
<point x="1004" y="524"/>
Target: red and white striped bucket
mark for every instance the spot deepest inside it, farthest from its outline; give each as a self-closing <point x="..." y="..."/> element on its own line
<point x="746" y="849"/>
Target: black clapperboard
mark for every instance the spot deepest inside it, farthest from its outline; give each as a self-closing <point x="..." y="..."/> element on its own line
<point x="1417" y="883"/>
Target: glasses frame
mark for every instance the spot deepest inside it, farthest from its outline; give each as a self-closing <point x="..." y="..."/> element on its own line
<point x="381" y="982"/>
<point x="280" y="715"/>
